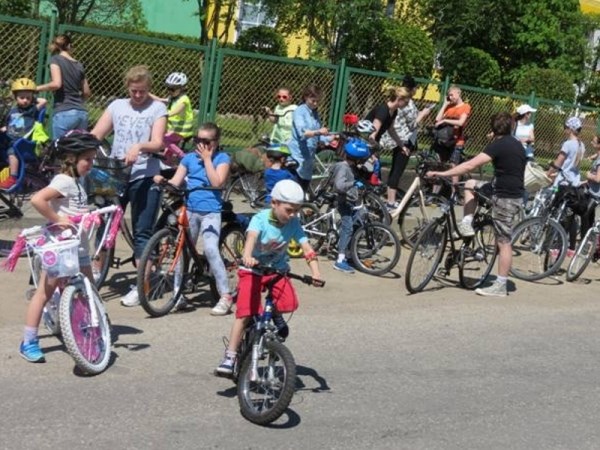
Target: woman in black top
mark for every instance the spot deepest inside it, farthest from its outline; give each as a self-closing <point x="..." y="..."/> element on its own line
<point x="70" y="87"/>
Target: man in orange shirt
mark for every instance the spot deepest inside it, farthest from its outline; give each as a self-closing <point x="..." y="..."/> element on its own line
<point x="453" y="112"/>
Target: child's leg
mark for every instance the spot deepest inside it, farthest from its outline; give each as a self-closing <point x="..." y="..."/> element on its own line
<point x="237" y="330"/>
<point x="210" y="229"/>
<point x="345" y="230"/>
<point x="13" y="165"/>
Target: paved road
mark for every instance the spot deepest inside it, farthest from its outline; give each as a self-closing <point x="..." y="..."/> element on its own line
<point x="378" y="369"/>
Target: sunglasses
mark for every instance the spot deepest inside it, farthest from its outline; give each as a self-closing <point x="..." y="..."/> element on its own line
<point x="282" y="97"/>
<point x="204" y="141"/>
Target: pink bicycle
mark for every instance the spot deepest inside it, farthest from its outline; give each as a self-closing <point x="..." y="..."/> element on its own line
<point x="76" y="310"/>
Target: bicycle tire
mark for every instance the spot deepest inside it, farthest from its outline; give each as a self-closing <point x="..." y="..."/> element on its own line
<point x="231" y="248"/>
<point x="88" y="344"/>
<point x="158" y="288"/>
<point x="540" y="257"/>
<point x="377" y="209"/>
<point x="477" y="255"/>
<point x="236" y="188"/>
<point x="583" y="256"/>
<point x="411" y="221"/>
<point x="375" y="248"/>
<point x="314" y="228"/>
<point x="275" y="387"/>
<point x="427" y="252"/>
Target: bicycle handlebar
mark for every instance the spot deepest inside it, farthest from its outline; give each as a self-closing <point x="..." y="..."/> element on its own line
<point x="306" y="279"/>
<point x="164" y="184"/>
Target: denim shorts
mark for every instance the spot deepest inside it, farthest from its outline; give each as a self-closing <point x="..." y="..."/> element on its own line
<point x="72" y="119"/>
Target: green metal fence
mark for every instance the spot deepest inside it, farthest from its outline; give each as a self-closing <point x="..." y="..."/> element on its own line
<point x="230" y="87"/>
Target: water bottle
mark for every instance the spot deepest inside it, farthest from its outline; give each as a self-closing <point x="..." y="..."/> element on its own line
<point x="268" y="313"/>
<point x="99" y="175"/>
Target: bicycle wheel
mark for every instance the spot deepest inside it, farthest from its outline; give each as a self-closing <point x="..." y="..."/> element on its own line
<point x="583" y="255"/>
<point x="425" y="256"/>
<point x="477" y="256"/>
<point x="314" y="226"/>
<point x="161" y="272"/>
<point x="375" y="248"/>
<point x="86" y="332"/>
<point x="414" y="217"/>
<point x="324" y="161"/>
<point x="539" y="247"/>
<point x="265" y="399"/>
<point x="377" y="209"/>
<point x="248" y="186"/>
<point x="231" y="247"/>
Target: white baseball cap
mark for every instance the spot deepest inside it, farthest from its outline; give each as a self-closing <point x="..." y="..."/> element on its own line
<point x="524" y="109"/>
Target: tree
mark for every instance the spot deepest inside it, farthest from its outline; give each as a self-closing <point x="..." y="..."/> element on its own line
<point x="546" y="83"/>
<point x="262" y="39"/>
<point x="215" y="19"/>
<point x="103" y="12"/>
<point x="19" y="8"/>
<point x="538" y="33"/>
<point x="472" y="66"/>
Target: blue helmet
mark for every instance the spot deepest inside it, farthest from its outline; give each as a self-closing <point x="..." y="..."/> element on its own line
<point x="356" y="148"/>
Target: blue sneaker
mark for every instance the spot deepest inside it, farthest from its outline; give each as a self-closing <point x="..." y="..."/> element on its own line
<point x="32" y="352"/>
<point x="343" y="267"/>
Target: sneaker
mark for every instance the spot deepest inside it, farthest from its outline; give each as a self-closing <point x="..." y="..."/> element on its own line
<point x="495" y="290"/>
<point x="465" y="229"/>
<point x="131" y="299"/>
<point x="282" y="327"/>
<point x="223" y="307"/>
<point x="225" y="369"/>
<point x="8" y="183"/>
<point x="343" y="267"/>
<point x="570" y="253"/>
<point x="392" y="206"/>
<point x="32" y="351"/>
<point x="183" y="304"/>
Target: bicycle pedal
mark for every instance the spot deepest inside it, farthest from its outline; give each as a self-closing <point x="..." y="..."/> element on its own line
<point x="115" y="263"/>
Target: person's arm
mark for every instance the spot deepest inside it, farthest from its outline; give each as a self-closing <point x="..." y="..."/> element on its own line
<point x="341" y="181"/>
<point x="217" y="176"/>
<point x="399" y="142"/>
<point x="457" y="122"/>
<point x="440" y="115"/>
<point x="423" y="114"/>
<point x="531" y="139"/>
<point x="86" y="92"/>
<point x="41" y="202"/>
<point x="154" y="145"/>
<point x="40" y="103"/>
<point x="300" y="121"/>
<point x="595" y="177"/>
<point x="104" y="125"/>
<point x="157" y="98"/>
<point x="557" y="164"/>
<point x="56" y="80"/>
<point x="311" y="259"/>
<point x="177" y="110"/>
<point x="177" y="179"/>
<point x="247" y="259"/>
<point x="466" y="167"/>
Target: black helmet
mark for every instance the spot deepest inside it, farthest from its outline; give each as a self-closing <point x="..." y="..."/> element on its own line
<point x="76" y="142"/>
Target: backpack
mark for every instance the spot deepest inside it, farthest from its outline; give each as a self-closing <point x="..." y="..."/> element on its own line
<point x="443" y="136"/>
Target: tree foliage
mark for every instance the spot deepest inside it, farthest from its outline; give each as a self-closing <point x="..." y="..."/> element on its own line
<point x="537" y="33"/>
<point x="262" y="39"/>
<point x="472" y="66"/>
<point x="546" y="83"/>
<point x="103" y="12"/>
<point x="19" y="8"/>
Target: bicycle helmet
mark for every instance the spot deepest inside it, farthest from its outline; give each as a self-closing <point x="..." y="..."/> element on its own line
<point x="76" y="142"/>
<point x="365" y="126"/>
<point x="574" y="123"/>
<point x="23" y="84"/>
<point x="176" y="79"/>
<point x="356" y="148"/>
<point x="278" y="151"/>
<point x="288" y="191"/>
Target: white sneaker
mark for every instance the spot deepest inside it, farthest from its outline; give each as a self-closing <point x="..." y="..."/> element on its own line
<point x="465" y="229"/>
<point x="131" y="299"/>
<point x="222" y="308"/>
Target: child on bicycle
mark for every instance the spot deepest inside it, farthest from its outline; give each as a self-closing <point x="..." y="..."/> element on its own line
<point x="206" y="167"/>
<point x="277" y="156"/>
<point x="346" y="187"/>
<point x="281" y="116"/>
<point x="65" y="196"/>
<point x="267" y="239"/>
<point x="19" y="122"/>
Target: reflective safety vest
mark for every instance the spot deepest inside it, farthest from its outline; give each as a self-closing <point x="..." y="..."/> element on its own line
<point x="182" y="124"/>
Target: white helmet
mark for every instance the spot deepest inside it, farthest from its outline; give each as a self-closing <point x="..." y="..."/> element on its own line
<point x="574" y="123"/>
<point x="176" y="79"/>
<point x="365" y="126"/>
<point x="288" y="191"/>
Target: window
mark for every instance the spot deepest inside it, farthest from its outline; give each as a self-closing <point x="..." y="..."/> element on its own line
<point x="251" y="14"/>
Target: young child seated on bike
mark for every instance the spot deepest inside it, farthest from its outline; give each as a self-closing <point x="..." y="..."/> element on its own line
<point x="206" y="167"/>
<point x="65" y="196"/>
<point x="346" y="185"/>
<point x="19" y="122"/>
<point x="281" y="116"/>
<point x="267" y="239"/>
<point x="276" y="161"/>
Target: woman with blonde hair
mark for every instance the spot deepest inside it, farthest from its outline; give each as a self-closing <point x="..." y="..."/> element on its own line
<point x="70" y="87"/>
<point x="138" y="124"/>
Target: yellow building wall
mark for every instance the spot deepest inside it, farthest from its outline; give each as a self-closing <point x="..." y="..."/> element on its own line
<point x="590" y="6"/>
